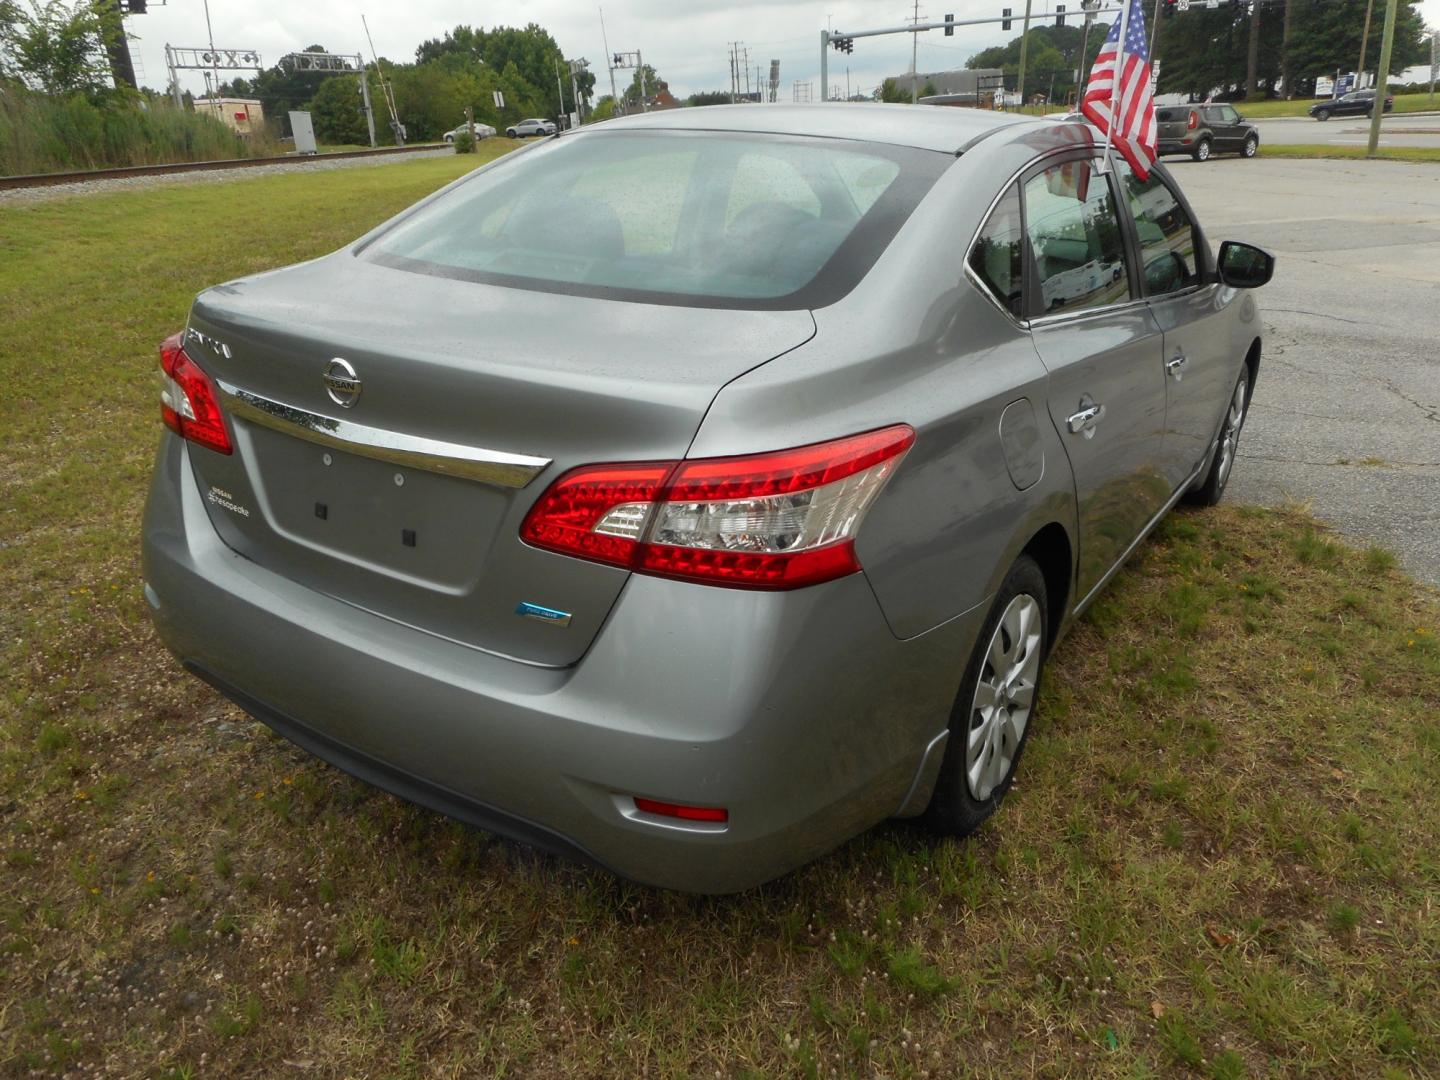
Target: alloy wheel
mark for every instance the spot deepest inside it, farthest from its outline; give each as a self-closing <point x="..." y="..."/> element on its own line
<point x="1230" y="433"/>
<point x="1004" y="697"/>
<point x="1202" y="152"/>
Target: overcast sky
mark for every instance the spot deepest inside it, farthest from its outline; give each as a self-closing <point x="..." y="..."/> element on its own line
<point x="686" y="41"/>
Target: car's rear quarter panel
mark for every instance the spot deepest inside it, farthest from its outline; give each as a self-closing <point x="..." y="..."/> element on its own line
<point x="917" y="343"/>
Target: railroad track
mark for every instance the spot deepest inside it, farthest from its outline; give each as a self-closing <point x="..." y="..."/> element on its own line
<point x="49" y="179"/>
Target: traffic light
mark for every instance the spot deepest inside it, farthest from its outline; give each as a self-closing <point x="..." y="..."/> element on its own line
<point x="1005" y="21"/>
<point x="949" y="25"/>
<point x="1059" y="14"/>
<point x="843" y="44"/>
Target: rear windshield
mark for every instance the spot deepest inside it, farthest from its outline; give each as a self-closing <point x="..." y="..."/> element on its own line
<point x="695" y="218"/>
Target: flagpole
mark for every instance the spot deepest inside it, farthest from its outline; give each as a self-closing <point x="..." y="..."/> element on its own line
<point x="1115" y="82"/>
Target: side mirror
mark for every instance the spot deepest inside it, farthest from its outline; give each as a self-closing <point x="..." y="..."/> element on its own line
<point x="1244" y="266"/>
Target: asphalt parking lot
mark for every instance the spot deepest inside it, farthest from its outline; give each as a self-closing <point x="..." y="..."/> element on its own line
<point x="1397" y="129"/>
<point x="1346" y="415"/>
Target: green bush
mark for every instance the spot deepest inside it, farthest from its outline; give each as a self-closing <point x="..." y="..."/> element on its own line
<point x="43" y="133"/>
<point x="464" y="143"/>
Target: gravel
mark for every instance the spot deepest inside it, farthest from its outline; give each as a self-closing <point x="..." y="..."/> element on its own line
<point x="223" y="176"/>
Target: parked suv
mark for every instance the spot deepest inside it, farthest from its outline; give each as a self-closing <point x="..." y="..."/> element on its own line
<point x="1202" y="130"/>
<point x="1355" y="103"/>
<point x="530" y="127"/>
<point x="745" y="505"/>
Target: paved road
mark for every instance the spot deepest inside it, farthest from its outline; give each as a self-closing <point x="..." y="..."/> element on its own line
<point x="1346" y="415"/>
<point x="1406" y="129"/>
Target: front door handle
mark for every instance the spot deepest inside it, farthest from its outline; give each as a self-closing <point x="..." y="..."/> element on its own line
<point x="1084" y="421"/>
<point x="1175" y="366"/>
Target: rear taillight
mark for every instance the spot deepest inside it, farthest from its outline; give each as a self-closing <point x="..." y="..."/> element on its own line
<point x="188" y="402"/>
<point x="769" y="521"/>
<point x="1194" y="121"/>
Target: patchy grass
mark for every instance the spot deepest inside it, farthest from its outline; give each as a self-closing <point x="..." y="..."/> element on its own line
<point x="1221" y="858"/>
<point x="1384" y="153"/>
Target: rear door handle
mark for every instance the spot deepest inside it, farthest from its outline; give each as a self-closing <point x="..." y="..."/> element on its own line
<point x="1084" y="421"/>
<point x="1176" y="366"/>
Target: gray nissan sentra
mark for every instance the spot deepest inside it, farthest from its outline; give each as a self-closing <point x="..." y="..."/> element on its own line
<point x="692" y="492"/>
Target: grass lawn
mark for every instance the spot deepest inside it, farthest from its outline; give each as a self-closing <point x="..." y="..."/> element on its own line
<point x="1260" y="110"/>
<point x="1222" y="858"/>
<point x="1387" y="153"/>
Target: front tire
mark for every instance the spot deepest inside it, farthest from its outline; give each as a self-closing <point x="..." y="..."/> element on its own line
<point x="1202" y="150"/>
<point x="1322" y="115"/>
<point x="991" y="718"/>
<point x="1227" y="444"/>
<point x="1252" y="146"/>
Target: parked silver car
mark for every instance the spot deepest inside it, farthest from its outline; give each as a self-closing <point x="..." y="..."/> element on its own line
<point x="477" y="130"/>
<point x="530" y="127"/>
<point x="781" y="447"/>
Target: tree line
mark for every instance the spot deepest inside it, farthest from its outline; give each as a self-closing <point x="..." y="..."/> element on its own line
<point x="1267" y="49"/>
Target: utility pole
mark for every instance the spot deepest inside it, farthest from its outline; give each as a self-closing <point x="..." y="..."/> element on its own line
<point x="1364" y="40"/>
<point x="1285" y="54"/>
<point x="824" y="63"/>
<point x="644" y="93"/>
<point x="1024" y="44"/>
<point x="1154" y="32"/>
<point x="559" y="92"/>
<point x="117" y="47"/>
<point x="1252" y="53"/>
<point x="1434" y="62"/>
<point x="914" y="50"/>
<point x="1382" y="76"/>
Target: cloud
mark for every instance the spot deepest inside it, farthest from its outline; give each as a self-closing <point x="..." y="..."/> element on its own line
<point x="687" y="42"/>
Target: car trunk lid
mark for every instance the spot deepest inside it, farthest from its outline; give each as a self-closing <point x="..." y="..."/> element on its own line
<point x="468" y="400"/>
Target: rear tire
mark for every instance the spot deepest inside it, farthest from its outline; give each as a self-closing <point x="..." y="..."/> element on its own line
<point x="1227" y="444"/>
<point x="1252" y="146"/>
<point x="1202" y="150"/>
<point x="995" y="707"/>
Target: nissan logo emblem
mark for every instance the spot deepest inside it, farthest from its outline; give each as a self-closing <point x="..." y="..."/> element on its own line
<point x="341" y="383"/>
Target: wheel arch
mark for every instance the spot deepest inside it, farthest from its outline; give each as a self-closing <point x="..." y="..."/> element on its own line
<point x="1252" y="365"/>
<point x="1051" y="549"/>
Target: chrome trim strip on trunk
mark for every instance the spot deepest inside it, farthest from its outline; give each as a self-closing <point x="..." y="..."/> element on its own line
<point x="452" y="459"/>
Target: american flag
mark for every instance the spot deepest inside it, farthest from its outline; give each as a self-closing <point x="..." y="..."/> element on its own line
<point x="1122" y="105"/>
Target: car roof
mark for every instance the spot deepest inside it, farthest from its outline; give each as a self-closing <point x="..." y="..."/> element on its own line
<point x="928" y="127"/>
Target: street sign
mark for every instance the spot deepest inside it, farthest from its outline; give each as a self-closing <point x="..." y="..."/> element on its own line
<point x="499" y="98"/>
<point x="1182" y="5"/>
<point x="1154" y="76"/>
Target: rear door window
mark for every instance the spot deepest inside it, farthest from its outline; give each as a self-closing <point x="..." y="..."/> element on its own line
<point x="997" y="256"/>
<point x="1075" y="239"/>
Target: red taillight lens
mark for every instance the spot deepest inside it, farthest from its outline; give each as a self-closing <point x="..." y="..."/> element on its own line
<point x="679" y="810"/>
<point x="188" y="402"/>
<point x="769" y="521"/>
<point x="584" y="512"/>
<point x="1194" y="120"/>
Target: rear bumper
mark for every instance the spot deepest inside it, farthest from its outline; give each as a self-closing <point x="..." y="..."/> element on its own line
<point x="799" y="712"/>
